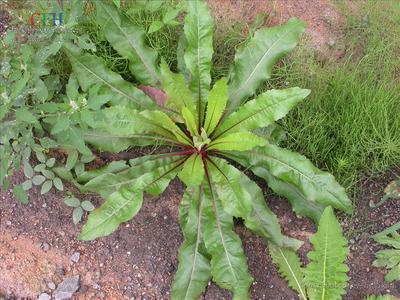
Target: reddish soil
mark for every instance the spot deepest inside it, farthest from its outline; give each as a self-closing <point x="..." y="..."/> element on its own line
<point x="139" y="259"/>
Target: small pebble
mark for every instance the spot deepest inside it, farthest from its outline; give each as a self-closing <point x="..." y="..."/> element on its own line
<point x="51" y="285"/>
<point x="44" y="296"/>
<point x="45" y="247"/>
<point x="75" y="257"/>
<point x="8" y="223"/>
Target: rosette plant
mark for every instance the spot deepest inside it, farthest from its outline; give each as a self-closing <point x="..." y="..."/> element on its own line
<point x="210" y="129"/>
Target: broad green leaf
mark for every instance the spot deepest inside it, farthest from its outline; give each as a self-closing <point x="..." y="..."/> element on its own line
<point x="28" y="171"/>
<point x="41" y="91"/>
<point x="155" y="26"/>
<point x="316" y="185"/>
<point x="325" y="275"/>
<point x="289" y="267"/>
<point x="228" y="262"/>
<point x="239" y="141"/>
<point x="198" y="30"/>
<point x="73" y="137"/>
<point x="242" y="198"/>
<point x="91" y="70"/>
<point x="46" y="187"/>
<point x="192" y="173"/>
<point x="129" y="41"/>
<point x="38" y="179"/>
<point x="23" y="115"/>
<point x="61" y="125"/>
<point x="150" y="173"/>
<point x="58" y="184"/>
<point x="26" y="185"/>
<point x="253" y="63"/>
<point x="119" y="207"/>
<point x="179" y="95"/>
<point x="216" y="104"/>
<point x="87" y="205"/>
<point x="190" y="122"/>
<point x="112" y="167"/>
<point x="72" y="201"/>
<point x="194" y="270"/>
<point x="263" y="110"/>
<point x="77" y="214"/>
<point x="71" y="160"/>
<point x="20" y="194"/>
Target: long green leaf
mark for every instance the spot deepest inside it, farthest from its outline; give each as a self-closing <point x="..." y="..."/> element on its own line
<point x="239" y="141"/>
<point x="242" y="198"/>
<point x="290" y="268"/>
<point x="91" y="70"/>
<point x="228" y="262"/>
<point x="295" y="169"/>
<point x="119" y="207"/>
<point x="262" y="111"/>
<point x="129" y="41"/>
<point x="325" y="275"/>
<point x="253" y="63"/>
<point x="216" y="104"/>
<point x="300" y="204"/>
<point x="192" y="173"/>
<point x="198" y="30"/>
<point x="194" y="270"/>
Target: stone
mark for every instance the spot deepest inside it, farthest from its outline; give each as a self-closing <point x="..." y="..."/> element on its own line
<point x="44" y="296"/>
<point x="45" y="247"/>
<point x="51" y="285"/>
<point x="75" y="257"/>
<point x="67" y="288"/>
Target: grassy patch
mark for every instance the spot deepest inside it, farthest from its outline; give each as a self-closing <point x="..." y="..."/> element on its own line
<point x="351" y="121"/>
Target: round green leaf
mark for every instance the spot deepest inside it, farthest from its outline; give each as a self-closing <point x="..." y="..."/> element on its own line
<point x="87" y="205"/>
<point x="46" y="187"/>
<point x="49" y="174"/>
<point x="77" y="215"/>
<point x="39" y="167"/>
<point x="58" y="184"/>
<point x="28" y="171"/>
<point x="26" y="185"/>
<point x="41" y="157"/>
<point x="72" y="201"/>
<point x="38" y="179"/>
<point x="50" y="162"/>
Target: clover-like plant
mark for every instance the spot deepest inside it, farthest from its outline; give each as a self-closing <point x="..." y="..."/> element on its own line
<point x="210" y="129"/>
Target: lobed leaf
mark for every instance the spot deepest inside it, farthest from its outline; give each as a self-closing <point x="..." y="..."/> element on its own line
<point x="194" y="269"/>
<point x="325" y="275"/>
<point x="242" y="198"/>
<point x="228" y="262"/>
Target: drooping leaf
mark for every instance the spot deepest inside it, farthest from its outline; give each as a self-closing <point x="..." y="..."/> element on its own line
<point x="216" y="104"/>
<point x="262" y="111"/>
<point x="289" y="267"/>
<point x="198" y="31"/>
<point x="325" y="275"/>
<point x="295" y="169"/>
<point x="192" y="173"/>
<point x="112" y="167"/>
<point x="194" y="270"/>
<point x="129" y="41"/>
<point x="91" y="70"/>
<point x="239" y="141"/>
<point x="119" y="207"/>
<point x="242" y="198"/>
<point x="228" y="262"/>
<point x="254" y="62"/>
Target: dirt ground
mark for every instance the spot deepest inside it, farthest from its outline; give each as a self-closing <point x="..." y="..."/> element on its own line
<point x="139" y="260"/>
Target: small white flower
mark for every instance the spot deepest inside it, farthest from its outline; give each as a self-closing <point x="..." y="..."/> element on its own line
<point x="84" y="102"/>
<point x="73" y="104"/>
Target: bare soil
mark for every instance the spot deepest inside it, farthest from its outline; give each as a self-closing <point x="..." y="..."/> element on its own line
<point x="139" y="260"/>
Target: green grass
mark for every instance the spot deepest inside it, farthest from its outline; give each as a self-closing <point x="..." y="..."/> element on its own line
<point x="351" y="121"/>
